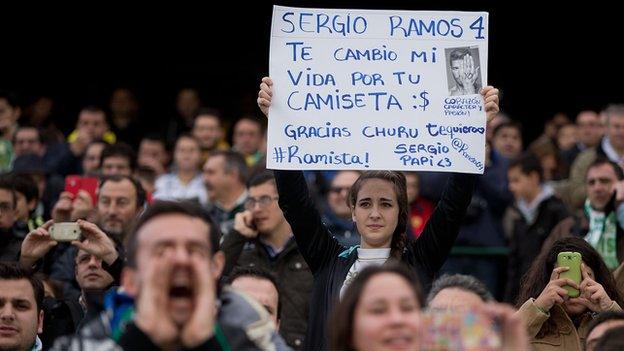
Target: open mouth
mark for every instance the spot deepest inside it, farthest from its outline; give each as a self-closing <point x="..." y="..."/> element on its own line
<point x="183" y="292"/>
<point x="399" y="341"/>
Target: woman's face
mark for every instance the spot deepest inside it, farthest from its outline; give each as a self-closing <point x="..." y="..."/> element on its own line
<point x="387" y="315"/>
<point x="376" y="213"/>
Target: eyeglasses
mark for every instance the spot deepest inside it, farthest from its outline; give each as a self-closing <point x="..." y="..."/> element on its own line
<point x="263" y="201"/>
<point x="339" y="189"/>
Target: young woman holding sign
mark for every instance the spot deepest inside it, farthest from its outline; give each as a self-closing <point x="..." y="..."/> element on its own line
<point x="378" y="202"/>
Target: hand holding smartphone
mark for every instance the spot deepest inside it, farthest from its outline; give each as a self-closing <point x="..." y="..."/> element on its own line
<point x="571" y="260"/>
<point x="75" y="183"/>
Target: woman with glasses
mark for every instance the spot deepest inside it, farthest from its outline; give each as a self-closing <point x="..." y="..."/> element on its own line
<point x="378" y="202"/>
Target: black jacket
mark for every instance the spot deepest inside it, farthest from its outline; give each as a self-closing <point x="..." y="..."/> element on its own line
<point x="10" y="245"/>
<point x="292" y="272"/>
<point x="66" y="316"/>
<point x="330" y="262"/>
<point x="527" y="240"/>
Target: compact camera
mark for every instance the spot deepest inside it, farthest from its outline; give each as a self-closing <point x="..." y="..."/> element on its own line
<point x="65" y="231"/>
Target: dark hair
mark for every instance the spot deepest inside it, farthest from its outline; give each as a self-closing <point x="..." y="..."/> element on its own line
<point x="258" y="273"/>
<point x="460" y="281"/>
<point x="89" y="146"/>
<point x="138" y="188"/>
<point x="208" y="112"/>
<point x="161" y="208"/>
<point x="9" y="97"/>
<point x="153" y="136"/>
<point x="528" y="163"/>
<point x="602" y="160"/>
<point x="94" y="109"/>
<point x="233" y="160"/>
<point x="612" y="340"/>
<point x="119" y="150"/>
<point x="538" y="276"/>
<point x="25" y="186"/>
<point x="157" y="138"/>
<point x="343" y="171"/>
<point x="13" y="271"/>
<point x="55" y="285"/>
<point x="6" y="183"/>
<point x="261" y="178"/>
<point x="342" y="318"/>
<point x="186" y="135"/>
<point x="604" y="317"/>
<point x="24" y="127"/>
<point x="252" y="119"/>
<point x="145" y="173"/>
<point x="509" y="124"/>
<point x="544" y="149"/>
<point x="397" y="179"/>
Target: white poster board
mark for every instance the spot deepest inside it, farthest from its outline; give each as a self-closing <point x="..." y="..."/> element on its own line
<point x="364" y="89"/>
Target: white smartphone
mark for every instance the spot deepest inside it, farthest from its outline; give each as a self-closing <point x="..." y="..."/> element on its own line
<point x="65" y="231"/>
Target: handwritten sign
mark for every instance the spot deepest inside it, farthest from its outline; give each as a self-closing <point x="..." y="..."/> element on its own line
<point x="362" y="89"/>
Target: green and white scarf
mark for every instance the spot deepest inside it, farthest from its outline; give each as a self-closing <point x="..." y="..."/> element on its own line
<point x="602" y="234"/>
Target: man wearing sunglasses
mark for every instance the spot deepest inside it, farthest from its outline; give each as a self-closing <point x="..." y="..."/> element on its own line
<point x="263" y="239"/>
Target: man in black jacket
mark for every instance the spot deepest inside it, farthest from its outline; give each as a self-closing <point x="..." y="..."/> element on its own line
<point x="262" y="238"/>
<point x="536" y="212"/>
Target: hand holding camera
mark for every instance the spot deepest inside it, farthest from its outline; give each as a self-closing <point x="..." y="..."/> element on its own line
<point x="41" y="240"/>
<point x="554" y="292"/>
<point x="36" y="244"/>
<point x="96" y="242"/>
